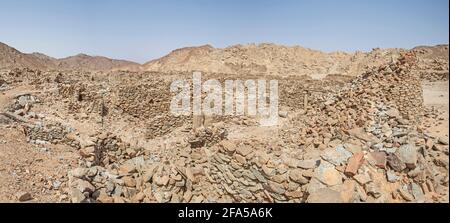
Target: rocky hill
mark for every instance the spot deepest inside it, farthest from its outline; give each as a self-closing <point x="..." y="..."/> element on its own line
<point x="12" y="58"/>
<point x="269" y="59"/>
<point x="252" y="59"/>
<point x="92" y="63"/>
<point x="272" y="59"/>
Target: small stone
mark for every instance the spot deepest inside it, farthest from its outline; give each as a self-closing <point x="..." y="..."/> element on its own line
<point x="395" y="163"/>
<point x="279" y="178"/>
<point x="379" y="159"/>
<point x="403" y="121"/>
<point x="294" y="194"/>
<point x="389" y="150"/>
<point x="340" y="169"/>
<point x="361" y="134"/>
<point x="391" y="176"/>
<point x="76" y="196"/>
<point x="290" y="162"/>
<point x="353" y="148"/>
<point x="393" y="113"/>
<point x="296" y="175"/>
<point x="267" y="171"/>
<point x="197" y="199"/>
<point x="84" y="186"/>
<point x="258" y="175"/>
<point x="129" y="181"/>
<point x="118" y="200"/>
<point x="161" y="181"/>
<point x="417" y="192"/>
<point x="79" y="172"/>
<point x="348" y="191"/>
<point x="127" y="169"/>
<point x="148" y="173"/>
<point x="263" y="158"/>
<point x="429" y="144"/>
<point x="308" y="173"/>
<point x="327" y="174"/>
<point x="405" y="194"/>
<point x="325" y="195"/>
<point x="362" y="178"/>
<point x="314" y="185"/>
<point x="24" y="196"/>
<point x="139" y="197"/>
<point x="283" y="114"/>
<point x="275" y="187"/>
<point x="337" y="156"/>
<point x="354" y="163"/>
<point x="190" y="176"/>
<point x="104" y="198"/>
<point x="244" y="150"/>
<point x="109" y="186"/>
<point x="228" y="146"/>
<point x="408" y="155"/>
<point x="373" y="189"/>
<point x="118" y="189"/>
<point x="443" y="141"/>
<point x="240" y="158"/>
<point x="181" y="183"/>
<point x="187" y="196"/>
<point x="92" y="172"/>
<point x="378" y="146"/>
<point x="308" y="164"/>
<point x="293" y="186"/>
<point x="87" y="152"/>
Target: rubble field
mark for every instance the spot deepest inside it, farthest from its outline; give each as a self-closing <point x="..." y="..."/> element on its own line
<point x="109" y="137"/>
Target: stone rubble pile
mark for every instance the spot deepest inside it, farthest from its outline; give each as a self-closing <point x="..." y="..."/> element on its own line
<point x="206" y="136"/>
<point x="432" y="64"/>
<point x="36" y="128"/>
<point x="50" y="133"/>
<point x="23" y="104"/>
<point x="434" y="71"/>
<point x="360" y="144"/>
<point x="143" y="103"/>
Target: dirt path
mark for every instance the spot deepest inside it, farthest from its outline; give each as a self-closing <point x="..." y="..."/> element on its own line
<point x="436" y="95"/>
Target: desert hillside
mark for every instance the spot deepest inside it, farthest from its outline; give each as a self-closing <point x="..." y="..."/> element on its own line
<point x="12" y="58"/>
<point x="272" y="59"/>
<point x="92" y="63"/>
<point x="262" y="59"/>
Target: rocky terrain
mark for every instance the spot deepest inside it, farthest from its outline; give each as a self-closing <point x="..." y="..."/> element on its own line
<point x="272" y="59"/>
<point x="252" y="59"/>
<point x="364" y="127"/>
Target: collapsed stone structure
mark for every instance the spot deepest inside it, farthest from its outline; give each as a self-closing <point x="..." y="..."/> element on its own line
<point x="360" y="144"/>
<point x="338" y="140"/>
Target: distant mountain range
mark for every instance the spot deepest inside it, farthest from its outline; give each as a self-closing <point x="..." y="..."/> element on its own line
<point x="12" y="58"/>
<point x="261" y="59"/>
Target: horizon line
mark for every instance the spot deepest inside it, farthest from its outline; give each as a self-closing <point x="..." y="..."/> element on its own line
<point x="208" y="44"/>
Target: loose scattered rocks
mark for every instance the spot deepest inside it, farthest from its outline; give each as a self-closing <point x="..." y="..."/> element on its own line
<point x="359" y="141"/>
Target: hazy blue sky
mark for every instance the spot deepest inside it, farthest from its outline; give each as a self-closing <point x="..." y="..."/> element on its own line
<point x="142" y="30"/>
